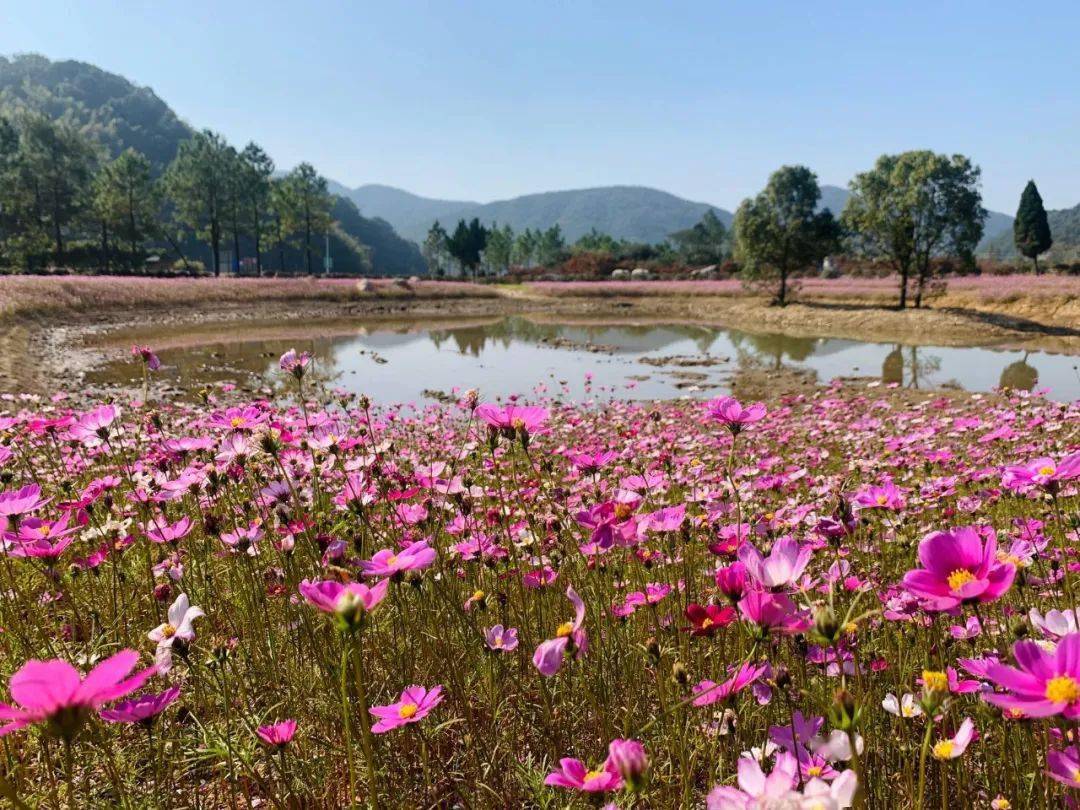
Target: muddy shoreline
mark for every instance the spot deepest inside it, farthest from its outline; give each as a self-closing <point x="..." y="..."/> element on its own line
<point x="44" y="352"/>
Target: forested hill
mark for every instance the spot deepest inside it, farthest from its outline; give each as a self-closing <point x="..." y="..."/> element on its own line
<point x="118" y="113"/>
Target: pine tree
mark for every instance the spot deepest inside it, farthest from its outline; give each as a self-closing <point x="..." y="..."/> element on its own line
<point x="1031" y="230"/>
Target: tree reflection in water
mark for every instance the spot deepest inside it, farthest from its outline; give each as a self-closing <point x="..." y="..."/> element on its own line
<point x="1020" y="375"/>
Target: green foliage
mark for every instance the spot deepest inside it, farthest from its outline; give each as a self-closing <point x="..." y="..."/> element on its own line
<point x="306" y="207"/>
<point x="467" y="244"/>
<point x="498" y="249"/>
<point x="780" y="230"/>
<point x="126" y="203"/>
<point x="436" y="251"/>
<point x="1031" y="230"/>
<point x="198" y="183"/>
<point x="387" y="253"/>
<point x="705" y="243"/>
<point x="105" y="107"/>
<point x="914" y="206"/>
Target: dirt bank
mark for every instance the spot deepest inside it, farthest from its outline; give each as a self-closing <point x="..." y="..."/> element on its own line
<point x="45" y="342"/>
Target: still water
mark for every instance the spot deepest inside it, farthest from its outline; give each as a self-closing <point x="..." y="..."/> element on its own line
<point x="404" y="361"/>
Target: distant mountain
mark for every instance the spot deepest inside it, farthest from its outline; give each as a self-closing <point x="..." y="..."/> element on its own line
<point x="635" y="213"/>
<point x="109" y="107"/>
<point x="390" y="254"/>
<point x="997" y="224"/>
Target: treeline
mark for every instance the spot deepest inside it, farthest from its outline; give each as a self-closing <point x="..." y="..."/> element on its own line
<point x="918" y="211"/>
<point x="476" y="250"/>
<point x="65" y="204"/>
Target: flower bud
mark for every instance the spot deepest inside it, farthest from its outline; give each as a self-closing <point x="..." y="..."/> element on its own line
<point x="630" y="759"/>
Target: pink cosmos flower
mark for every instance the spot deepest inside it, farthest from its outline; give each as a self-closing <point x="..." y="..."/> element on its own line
<point x="169" y="532"/>
<point x="773" y="612"/>
<point x="784" y="565"/>
<point x="277" y="735"/>
<point x="413" y="705"/>
<point x="21" y="501"/>
<point x="629" y="759"/>
<point x="498" y="638"/>
<point x="573" y="774"/>
<point x="331" y="596"/>
<point x="709" y="692"/>
<point x="54" y="693"/>
<point x="529" y="420"/>
<point x="548" y="657"/>
<point x="34" y="529"/>
<point x="756" y="789"/>
<point x="888" y="496"/>
<point x="387" y="563"/>
<point x="731" y="580"/>
<point x="93" y="427"/>
<point x="1064" y="767"/>
<point x="730" y="412"/>
<point x="958" y="567"/>
<point x="611" y="523"/>
<point x="707" y="619"/>
<point x="146" y="354"/>
<point x="142" y="709"/>
<point x="293" y="363"/>
<point x="1043" y="684"/>
<point x="1042" y="472"/>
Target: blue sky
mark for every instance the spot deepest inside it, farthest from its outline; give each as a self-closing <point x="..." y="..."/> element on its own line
<point x="479" y="100"/>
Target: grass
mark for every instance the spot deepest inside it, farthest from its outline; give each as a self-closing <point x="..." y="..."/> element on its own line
<point x="459" y="526"/>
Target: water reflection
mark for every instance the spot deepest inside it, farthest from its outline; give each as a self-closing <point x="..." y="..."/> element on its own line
<point x="500" y="356"/>
<point x="1020" y="375"/>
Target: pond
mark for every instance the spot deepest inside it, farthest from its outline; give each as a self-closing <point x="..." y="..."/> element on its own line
<point x="409" y="360"/>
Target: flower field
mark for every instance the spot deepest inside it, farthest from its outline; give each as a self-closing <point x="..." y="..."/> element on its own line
<point x="837" y="599"/>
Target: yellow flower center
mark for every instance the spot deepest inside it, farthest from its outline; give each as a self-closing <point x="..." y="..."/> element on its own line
<point x="707" y="622"/>
<point x="237" y="421"/>
<point x="623" y="511"/>
<point x="813" y="770"/>
<point x="477" y="596"/>
<point x="407" y="710"/>
<point x="1062" y="689"/>
<point x="1076" y="776"/>
<point x="770" y="515"/>
<point x="518" y="423"/>
<point x="959" y="578"/>
<point x="392" y="559"/>
<point x="882" y="500"/>
<point x="943" y="749"/>
<point x="565" y="629"/>
<point x="168" y="631"/>
<point x="935" y="681"/>
<point x="1047" y="470"/>
<point x="593" y="775"/>
<point x="907" y="710"/>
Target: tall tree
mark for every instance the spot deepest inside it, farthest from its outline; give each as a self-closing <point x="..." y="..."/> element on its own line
<point x="914" y="206"/>
<point x="235" y="208"/>
<point x="434" y="250"/>
<point x="57" y="164"/>
<point x="467" y="243"/>
<point x="308" y="204"/>
<point x="1031" y="230"/>
<point x="550" y="246"/>
<point x="780" y="230"/>
<point x="704" y="243"/>
<point x="257" y="170"/>
<point x="500" y="242"/>
<point x="197" y="183"/>
<point x="126" y="203"/>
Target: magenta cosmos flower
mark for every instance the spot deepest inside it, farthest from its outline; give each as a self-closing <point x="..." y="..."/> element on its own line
<point x="784" y="565"/>
<point x="343" y="599"/>
<point x="513" y="418"/>
<point x="499" y="638"/>
<point x="293" y="363"/>
<point x="21" y="501"/>
<point x="142" y="709"/>
<point x="573" y="774"/>
<point x="387" y="563"/>
<point x="1042" y="472"/>
<point x="1044" y="683"/>
<point x="53" y="692"/>
<point x="958" y="567"/>
<point x="888" y="496"/>
<point x="413" y="706"/>
<point x="707" y="693"/>
<point x="548" y="657"/>
<point x="732" y="413"/>
<point x="146" y="354"/>
<point x="277" y="735"/>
